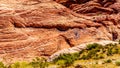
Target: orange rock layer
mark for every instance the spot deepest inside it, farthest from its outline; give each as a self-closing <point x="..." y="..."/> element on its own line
<point x="34" y="28"/>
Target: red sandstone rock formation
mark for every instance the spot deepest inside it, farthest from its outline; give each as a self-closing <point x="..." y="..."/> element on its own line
<point x="33" y="28"/>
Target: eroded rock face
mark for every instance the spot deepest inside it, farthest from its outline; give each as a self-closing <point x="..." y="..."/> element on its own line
<point x="33" y="28"/>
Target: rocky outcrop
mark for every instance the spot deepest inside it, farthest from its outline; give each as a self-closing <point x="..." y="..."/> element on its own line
<point x="105" y="12"/>
<point x="34" y="28"/>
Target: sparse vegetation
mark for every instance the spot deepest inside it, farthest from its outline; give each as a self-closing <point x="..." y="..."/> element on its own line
<point x="68" y="59"/>
<point x="93" y="51"/>
<point x="36" y="63"/>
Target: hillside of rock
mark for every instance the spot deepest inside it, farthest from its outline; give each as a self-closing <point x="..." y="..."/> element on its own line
<point x="34" y="28"/>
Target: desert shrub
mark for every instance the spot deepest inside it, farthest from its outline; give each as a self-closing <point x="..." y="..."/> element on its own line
<point x="39" y="63"/>
<point x="100" y="56"/>
<point x="117" y="63"/>
<point x="115" y="51"/>
<point x="108" y="61"/>
<point x="93" y="46"/>
<point x="2" y="65"/>
<point x="109" y="52"/>
<point x="91" y="54"/>
<point x="111" y="45"/>
<point x="68" y="58"/>
<point x="15" y="65"/>
<point x="111" y="49"/>
<point x="61" y="63"/>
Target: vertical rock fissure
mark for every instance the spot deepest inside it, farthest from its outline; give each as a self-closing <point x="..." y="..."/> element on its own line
<point x="68" y="41"/>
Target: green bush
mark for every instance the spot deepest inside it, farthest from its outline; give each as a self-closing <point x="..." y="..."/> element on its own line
<point x="61" y="63"/>
<point x="2" y="65"/>
<point x="68" y="58"/>
<point x="100" y="56"/>
<point x="109" y="52"/>
<point x="93" y="46"/>
<point x="115" y="51"/>
<point x="39" y="63"/>
<point x="91" y="54"/>
<point x="117" y="63"/>
<point x="108" y="61"/>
